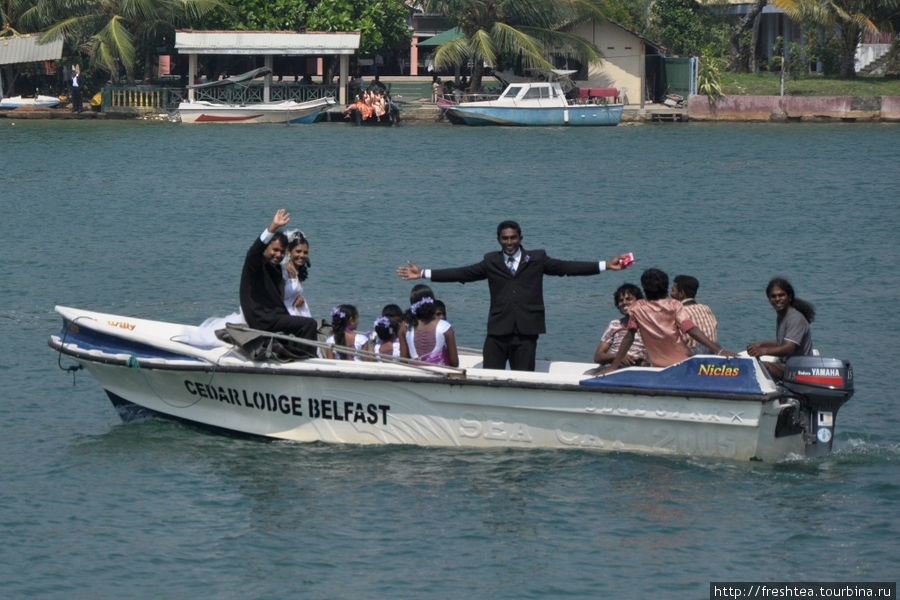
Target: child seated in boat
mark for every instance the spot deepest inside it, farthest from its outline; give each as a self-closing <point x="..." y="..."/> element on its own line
<point x="440" y="310"/>
<point x="344" y="321"/>
<point x="389" y="336"/>
<point x="429" y="339"/>
<point x="611" y="340"/>
<point x="661" y="321"/>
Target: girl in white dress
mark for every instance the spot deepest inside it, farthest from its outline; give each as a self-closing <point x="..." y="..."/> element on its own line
<point x="295" y="270"/>
<point x="344" y="321"/>
<point x="430" y="339"/>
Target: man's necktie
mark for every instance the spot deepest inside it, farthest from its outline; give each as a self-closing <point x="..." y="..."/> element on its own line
<point x="510" y="264"/>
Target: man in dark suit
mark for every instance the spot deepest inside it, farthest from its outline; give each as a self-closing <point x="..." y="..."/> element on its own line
<point x="77" y="87"/>
<point x="516" y="281"/>
<point x="262" y="285"/>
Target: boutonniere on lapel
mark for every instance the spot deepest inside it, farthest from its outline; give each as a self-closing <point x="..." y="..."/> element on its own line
<point x="527" y="258"/>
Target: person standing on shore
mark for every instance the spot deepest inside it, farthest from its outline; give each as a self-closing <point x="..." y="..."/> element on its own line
<point x="516" y="281"/>
<point x="76" y="86"/>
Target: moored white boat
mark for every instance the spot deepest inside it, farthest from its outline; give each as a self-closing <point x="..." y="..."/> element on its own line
<point x="39" y="100"/>
<point x="706" y="406"/>
<point x="288" y="111"/>
<point x="532" y="103"/>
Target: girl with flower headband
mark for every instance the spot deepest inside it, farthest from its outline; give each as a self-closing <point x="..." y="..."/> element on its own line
<point x="430" y="340"/>
<point x="389" y="336"/>
<point x="344" y="321"/>
<point x="295" y="270"/>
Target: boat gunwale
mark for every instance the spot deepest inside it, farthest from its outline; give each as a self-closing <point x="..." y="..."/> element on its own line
<point x="101" y="357"/>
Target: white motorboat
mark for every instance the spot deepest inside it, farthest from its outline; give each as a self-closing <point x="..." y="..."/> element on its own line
<point x="705" y="406"/>
<point x="19" y="101"/>
<point x="240" y="108"/>
<point x="287" y="111"/>
<point x="532" y="103"/>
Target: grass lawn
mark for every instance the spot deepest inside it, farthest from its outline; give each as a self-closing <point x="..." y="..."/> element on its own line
<point x="768" y="84"/>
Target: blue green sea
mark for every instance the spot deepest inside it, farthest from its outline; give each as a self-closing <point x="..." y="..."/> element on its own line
<point x="153" y="220"/>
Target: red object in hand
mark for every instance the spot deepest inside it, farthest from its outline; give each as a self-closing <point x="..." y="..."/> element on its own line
<point x="627" y="259"/>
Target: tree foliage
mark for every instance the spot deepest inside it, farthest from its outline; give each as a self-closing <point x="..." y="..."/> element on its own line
<point x="848" y="18"/>
<point x="682" y="26"/>
<point x="113" y="34"/>
<point x="381" y="23"/>
<point x="520" y="32"/>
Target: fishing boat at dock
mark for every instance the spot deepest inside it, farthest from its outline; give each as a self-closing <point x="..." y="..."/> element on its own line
<point x="707" y="406"/>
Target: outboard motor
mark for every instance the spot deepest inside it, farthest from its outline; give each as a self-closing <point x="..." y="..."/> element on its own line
<point x="822" y="385"/>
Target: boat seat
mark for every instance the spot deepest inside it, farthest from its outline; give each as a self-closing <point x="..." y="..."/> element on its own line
<point x="257" y="345"/>
<point x="598" y="94"/>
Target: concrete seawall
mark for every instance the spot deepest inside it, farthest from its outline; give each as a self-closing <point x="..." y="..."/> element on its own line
<point x="795" y="108"/>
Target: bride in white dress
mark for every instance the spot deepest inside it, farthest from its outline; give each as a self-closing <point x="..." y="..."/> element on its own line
<point x="295" y="270"/>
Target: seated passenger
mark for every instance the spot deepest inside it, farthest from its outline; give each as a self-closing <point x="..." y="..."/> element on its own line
<point x="440" y="310"/>
<point x="430" y="340"/>
<point x="793" y="336"/>
<point x="684" y="289"/>
<point x="616" y="331"/>
<point x="344" y="321"/>
<point x="389" y="336"/>
<point x="661" y="321"/>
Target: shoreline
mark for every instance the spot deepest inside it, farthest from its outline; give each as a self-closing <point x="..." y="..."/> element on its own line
<point x="697" y="108"/>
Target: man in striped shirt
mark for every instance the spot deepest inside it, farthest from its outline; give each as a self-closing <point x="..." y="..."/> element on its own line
<point x="684" y="288"/>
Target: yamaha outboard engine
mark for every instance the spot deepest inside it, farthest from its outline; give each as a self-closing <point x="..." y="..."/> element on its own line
<point x="821" y="385"/>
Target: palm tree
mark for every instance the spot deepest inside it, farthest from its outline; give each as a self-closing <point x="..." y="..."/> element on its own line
<point x="849" y="17"/>
<point x="111" y="32"/>
<point x="520" y="30"/>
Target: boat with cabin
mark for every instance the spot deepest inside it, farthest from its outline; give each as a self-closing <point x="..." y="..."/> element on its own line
<point x="269" y="385"/>
<point x="532" y="103"/>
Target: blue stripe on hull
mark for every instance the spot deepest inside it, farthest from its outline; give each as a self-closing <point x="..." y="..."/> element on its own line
<point x="588" y="115"/>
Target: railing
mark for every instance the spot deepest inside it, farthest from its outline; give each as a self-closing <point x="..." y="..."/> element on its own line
<point x="141" y="98"/>
<point x="138" y="99"/>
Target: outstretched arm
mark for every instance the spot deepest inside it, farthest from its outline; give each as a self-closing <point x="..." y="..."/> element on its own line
<point x="410" y="271"/>
<point x="614" y="264"/>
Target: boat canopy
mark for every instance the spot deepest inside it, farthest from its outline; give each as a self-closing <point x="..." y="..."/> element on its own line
<point x="234" y="79"/>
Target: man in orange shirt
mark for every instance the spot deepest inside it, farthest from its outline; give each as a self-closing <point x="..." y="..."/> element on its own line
<point x="661" y="321"/>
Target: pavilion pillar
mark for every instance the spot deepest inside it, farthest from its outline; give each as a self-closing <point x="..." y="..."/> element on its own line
<point x="267" y="82"/>
<point x="345" y="75"/>
<point x="414" y="56"/>
<point x="192" y="75"/>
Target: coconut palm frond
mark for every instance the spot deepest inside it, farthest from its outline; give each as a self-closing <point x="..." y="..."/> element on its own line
<point x="513" y="41"/>
<point x="117" y="42"/>
<point x="482" y="47"/>
<point x="454" y="52"/>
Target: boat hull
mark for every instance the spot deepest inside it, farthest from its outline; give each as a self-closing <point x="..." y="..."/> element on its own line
<point x="19" y="101"/>
<point x="271" y="112"/>
<point x="706" y="406"/>
<point x="576" y="115"/>
<point x="311" y="407"/>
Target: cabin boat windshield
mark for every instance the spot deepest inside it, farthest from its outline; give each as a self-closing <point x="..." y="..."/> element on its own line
<point x="512" y="91"/>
